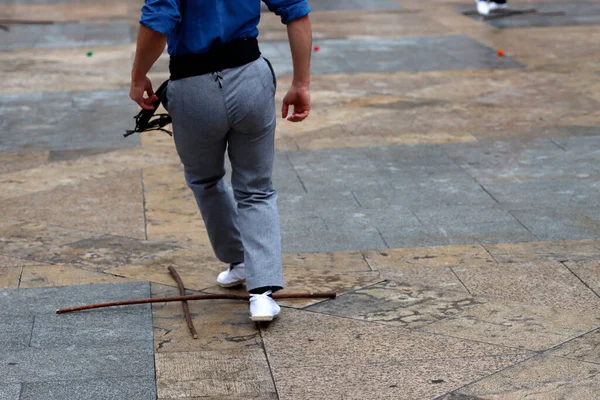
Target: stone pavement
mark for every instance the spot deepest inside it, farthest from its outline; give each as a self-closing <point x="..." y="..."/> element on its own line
<point x="449" y="195"/>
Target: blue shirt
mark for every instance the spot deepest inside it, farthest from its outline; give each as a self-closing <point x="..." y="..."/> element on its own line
<point x="204" y="23"/>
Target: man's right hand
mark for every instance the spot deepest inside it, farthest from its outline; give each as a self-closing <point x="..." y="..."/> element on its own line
<point x="299" y="98"/>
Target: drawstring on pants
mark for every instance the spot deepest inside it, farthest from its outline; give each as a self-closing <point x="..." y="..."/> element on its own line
<point x="218" y="78"/>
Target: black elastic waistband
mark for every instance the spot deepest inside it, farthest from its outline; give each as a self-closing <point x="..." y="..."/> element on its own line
<point x="228" y="55"/>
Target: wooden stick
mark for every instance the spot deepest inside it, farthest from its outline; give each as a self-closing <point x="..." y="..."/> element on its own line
<point x="321" y="295"/>
<point x="184" y="303"/>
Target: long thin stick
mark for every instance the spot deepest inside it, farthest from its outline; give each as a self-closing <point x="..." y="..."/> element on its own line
<point x="322" y="295"/>
<point x="184" y="303"/>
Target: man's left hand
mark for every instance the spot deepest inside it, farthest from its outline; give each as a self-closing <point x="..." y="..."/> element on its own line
<point x="138" y="88"/>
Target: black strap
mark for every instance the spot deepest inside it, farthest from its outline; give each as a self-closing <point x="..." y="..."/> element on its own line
<point x="144" y="121"/>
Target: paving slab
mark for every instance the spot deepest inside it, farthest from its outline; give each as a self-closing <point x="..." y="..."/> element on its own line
<point x="541" y="377"/>
<point x="103" y="252"/>
<point x="66" y="35"/>
<point x="516" y="324"/>
<point x="203" y="374"/>
<point x="14" y="302"/>
<point x="563" y="223"/>
<point x="548" y="284"/>
<point x="399" y="304"/>
<point x="575" y="13"/>
<point x="10" y="391"/>
<point x="356" y="359"/>
<point x="128" y="387"/>
<point x="67" y="121"/>
<point x="75" y="356"/>
<point x="16" y="331"/>
<point x="319" y="242"/>
<point x="113" y="205"/>
<point x="352" y="56"/>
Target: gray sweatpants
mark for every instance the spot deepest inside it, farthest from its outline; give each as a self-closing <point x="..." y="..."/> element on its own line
<point x="232" y="110"/>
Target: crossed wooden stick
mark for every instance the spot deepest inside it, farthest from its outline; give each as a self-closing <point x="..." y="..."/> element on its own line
<point x="184" y="299"/>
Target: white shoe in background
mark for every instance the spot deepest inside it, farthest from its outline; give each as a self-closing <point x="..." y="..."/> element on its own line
<point x="234" y="276"/>
<point x="483" y="7"/>
<point x="263" y="307"/>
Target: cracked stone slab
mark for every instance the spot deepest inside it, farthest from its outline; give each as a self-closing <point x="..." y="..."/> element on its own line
<point x="398" y="304"/>
<point x="102" y="252"/>
<point x="350" y="56"/>
<point x="67" y="121"/>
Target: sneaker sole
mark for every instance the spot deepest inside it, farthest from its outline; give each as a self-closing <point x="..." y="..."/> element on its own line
<point x="232" y="284"/>
<point x="263" y="318"/>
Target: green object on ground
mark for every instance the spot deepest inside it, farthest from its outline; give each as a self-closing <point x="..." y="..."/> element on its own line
<point x="89" y="53"/>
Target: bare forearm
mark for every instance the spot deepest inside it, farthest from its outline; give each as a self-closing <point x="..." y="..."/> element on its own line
<point x="300" y="36"/>
<point x="150" y="46"/>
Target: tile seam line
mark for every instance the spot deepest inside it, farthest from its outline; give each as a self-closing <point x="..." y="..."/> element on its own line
<point x="520" y="223"/>
<point x="264" y="349"/>
<point x="287" y="156"/>
<point x="484" y="377"/>
<point x="564" y="263"/>
<point x="144" y="204"/>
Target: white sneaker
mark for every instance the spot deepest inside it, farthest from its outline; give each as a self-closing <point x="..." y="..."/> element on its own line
<point x="483" y="7"/>
<point x="263" y="307"/>
<point x="496" y="6"/>
<point x="234" y="276"/>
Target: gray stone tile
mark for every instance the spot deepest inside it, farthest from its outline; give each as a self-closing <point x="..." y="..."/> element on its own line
<point x="364" y="219"/>
<point x="15" y="302"/>
<point x="487" y="232"/>
<point x="67" y="121"/>
<point x="10" y="392"/>
<point x="129" y="387"/>
<point x="585" y="143"/>
<point x="290" y="202"/>
<point x="490" y="162"/>
<point x="69" y="363"/>
<point x="322" y="242"/>
<point x="66" y="35"/>
<point x="462" y="215"/>
<point x="15" y="331"/>
<point x="575" y="13"/>
<point x="564" y="223"/>
<point x="413" y="236"/>
<point x="427" y="194"/>
<point x="302" y="222"/>
<point x="548" y="193"/>
<point x="381" y="55"/>
<point x="92" y="329"/>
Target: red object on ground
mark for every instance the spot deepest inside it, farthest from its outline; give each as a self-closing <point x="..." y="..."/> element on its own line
<point x="500" y="53"/>
<point x="317" y="48"/>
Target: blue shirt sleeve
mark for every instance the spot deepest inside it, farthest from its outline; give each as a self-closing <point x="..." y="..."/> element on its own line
<point x="288" y="10"/>
<point x="161" y="16"/>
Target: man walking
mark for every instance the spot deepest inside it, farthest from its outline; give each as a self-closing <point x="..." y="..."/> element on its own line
<point x="221" y="98"/>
